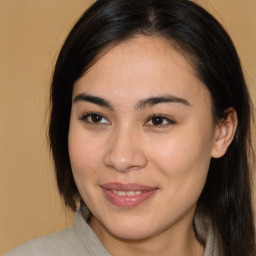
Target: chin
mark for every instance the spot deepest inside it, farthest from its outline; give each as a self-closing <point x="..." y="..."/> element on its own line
<point x="131" y="234"/>
<point x="131" y="230"/>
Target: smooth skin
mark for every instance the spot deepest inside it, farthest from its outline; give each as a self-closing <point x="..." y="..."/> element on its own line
<point x="119" y="134"/>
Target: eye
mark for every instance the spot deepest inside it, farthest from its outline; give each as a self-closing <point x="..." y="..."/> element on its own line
<point x="159" y="120"/>
<point x="94" y="118"/>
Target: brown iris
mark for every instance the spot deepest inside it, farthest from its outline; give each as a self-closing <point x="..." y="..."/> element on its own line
<point x="157" y="120"/>
<point x="96" y="118"/>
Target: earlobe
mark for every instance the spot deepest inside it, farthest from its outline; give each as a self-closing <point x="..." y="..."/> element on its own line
<point x="224" y="133"/>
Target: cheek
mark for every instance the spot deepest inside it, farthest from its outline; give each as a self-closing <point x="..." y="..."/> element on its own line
<point x="86" y="162"/>
<point x="185" y="154"/>
<point x="183" y="162"/>
<point x="85" y="152"/>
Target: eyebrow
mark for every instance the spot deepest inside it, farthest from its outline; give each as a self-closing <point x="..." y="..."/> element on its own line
<point x="93" y="99"/>
<point x="140" y="105"/>
<point x="161" y="99"/>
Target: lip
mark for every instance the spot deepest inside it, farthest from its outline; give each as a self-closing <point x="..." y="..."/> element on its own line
<point x="126" y="201"/>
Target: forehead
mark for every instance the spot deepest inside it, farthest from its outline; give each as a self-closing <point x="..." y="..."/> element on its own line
<point x="141" y="67"/>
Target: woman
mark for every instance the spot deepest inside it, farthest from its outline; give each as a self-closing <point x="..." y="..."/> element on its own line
<point x="150" y="131"/>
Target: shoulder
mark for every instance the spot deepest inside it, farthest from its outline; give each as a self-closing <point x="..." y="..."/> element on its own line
<point x="65" y="242"/>
<point x="79" y="240"/>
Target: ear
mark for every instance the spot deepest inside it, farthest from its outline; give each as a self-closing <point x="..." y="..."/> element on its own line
<point x="224" y="133"/>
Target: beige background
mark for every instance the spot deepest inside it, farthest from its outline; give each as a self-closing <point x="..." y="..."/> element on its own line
<point x="31" y="32"/>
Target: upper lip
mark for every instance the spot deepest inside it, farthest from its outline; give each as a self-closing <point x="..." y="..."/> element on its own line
<point x="127" y="187"/>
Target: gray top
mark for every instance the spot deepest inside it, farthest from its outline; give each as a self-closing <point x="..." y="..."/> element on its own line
<point x="80" y="240"/>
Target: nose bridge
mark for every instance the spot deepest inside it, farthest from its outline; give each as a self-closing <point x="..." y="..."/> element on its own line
<point x="125" y="151"/>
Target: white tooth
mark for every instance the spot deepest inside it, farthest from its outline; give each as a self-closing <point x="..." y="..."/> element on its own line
<point x="115" y="192"/>
<point x="130" y="193"/>
<point x="121" y="193"/>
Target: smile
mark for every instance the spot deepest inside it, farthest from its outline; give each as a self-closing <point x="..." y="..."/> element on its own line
<point x="127" y="195"/>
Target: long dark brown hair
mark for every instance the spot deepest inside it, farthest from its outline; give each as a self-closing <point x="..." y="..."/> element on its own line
<point x="226" y="197"/>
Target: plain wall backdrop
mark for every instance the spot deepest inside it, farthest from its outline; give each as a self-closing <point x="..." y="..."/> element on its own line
<point x="31" y="33"/>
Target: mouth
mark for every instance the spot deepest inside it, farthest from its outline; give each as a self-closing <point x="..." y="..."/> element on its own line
<point x="127" y="195"/>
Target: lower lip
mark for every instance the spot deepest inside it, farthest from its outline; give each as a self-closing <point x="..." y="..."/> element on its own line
<point x="128" y="201"/>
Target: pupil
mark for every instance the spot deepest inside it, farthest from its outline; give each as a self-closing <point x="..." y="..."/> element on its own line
<point x="157" y="120"/>
<point x="96" y="118"/>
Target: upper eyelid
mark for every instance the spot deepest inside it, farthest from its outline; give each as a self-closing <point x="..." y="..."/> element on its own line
<point x="161" y="115"/>
<point x="92" y="113"/>
<point x="88" y="114"/>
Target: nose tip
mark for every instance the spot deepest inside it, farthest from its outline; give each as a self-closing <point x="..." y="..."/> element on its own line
<point x="122" y="165"/>
<point x="125" y="154"/>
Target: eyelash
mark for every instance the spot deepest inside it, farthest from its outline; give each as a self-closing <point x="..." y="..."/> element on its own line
<point x="162" y="117"/>
<point x="158" y="117"/>
<point x="93" y="114"/>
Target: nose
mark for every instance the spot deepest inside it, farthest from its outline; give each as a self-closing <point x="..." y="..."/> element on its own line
<point x="125" y="152"/>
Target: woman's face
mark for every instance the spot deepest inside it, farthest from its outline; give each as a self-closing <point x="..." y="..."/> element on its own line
<point x="140" y="140"/>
